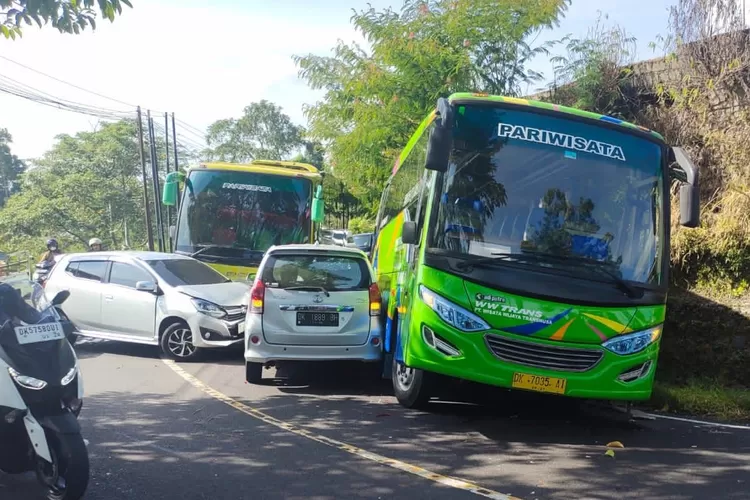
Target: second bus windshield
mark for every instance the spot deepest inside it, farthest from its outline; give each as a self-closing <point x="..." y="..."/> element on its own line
<point x="522" y="182"/>
<point x="233" y="212"/>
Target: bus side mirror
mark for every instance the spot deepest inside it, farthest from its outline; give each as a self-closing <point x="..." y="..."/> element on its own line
<point x="409" y="233"/>
<point x="171" y="189"/>
<point x="441" y="138"/>
<point x="317" y="209"/>
<point x="690" y="208"/>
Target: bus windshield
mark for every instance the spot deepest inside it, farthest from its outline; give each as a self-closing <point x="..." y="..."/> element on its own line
<point x="522" y="184"/>
<point x="239" y="214"/>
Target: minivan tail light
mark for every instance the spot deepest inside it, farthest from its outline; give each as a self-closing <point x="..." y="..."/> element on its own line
<point x="257" y="296"/>
<point x="374" y="300"/>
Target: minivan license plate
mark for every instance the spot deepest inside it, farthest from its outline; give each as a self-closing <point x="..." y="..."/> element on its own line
<point x="317" y="319"/>
<point x="45" y="332"/>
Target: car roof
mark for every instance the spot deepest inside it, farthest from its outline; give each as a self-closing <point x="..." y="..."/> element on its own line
<point x="139" y="255"/>
<point x="315" y="248"/>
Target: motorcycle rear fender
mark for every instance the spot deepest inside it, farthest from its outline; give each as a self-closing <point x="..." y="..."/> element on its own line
<point x="37" y="438"/>
<point x="67" y="423"/>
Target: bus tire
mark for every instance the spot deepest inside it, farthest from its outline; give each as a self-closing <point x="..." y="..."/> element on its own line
<point x="413" y="387"/>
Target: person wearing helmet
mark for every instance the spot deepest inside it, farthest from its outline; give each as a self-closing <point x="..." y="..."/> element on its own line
<point x="53" y="250"/>
<point x="95" y="245"/>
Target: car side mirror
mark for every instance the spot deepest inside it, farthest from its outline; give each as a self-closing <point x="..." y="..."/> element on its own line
<point x="60" y="297"/>
<point x="409" y="233"/>
<point x="146" y="286"/>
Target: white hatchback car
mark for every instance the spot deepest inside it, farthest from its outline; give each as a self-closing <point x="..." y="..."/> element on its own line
<point x="312" y="303"/>
<point x="170" y="300"/>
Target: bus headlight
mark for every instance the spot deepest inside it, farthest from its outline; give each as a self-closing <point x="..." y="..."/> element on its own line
<point x="633" y="342"/>
<point x="453" y="314"/>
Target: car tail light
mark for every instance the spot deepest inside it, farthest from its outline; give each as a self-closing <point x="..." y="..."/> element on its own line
<point x="374" y="300"/>
<point x="257" y="296"/>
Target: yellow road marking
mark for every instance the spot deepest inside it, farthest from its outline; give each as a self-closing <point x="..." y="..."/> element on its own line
<point x="451" y="482"/>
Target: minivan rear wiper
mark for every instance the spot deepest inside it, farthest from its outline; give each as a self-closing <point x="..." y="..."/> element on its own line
<point x="308" y="288"/>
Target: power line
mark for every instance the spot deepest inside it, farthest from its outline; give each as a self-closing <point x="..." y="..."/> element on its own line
<point x="190" y="129"/>
<point x="66" y="83"/>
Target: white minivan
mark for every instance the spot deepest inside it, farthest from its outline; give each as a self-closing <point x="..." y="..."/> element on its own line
<point x="312" y="303"/>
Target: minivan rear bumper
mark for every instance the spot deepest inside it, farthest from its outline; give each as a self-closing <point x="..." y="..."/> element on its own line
<point x="263" y="352"/>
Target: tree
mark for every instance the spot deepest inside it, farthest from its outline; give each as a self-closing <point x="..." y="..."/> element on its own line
<point x="87" y="185"/>
<point x="374" y="99"/>
<point x="263" y="132"/>
<point x="68" y="16"/>
<point x="10" y="167"/>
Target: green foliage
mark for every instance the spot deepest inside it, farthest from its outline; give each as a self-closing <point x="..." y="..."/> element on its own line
<point x="703" y="397"/>
<point x="87" y="185"/>
<point x="374" y="100"/>
<point x="363" y="224"/>
<point x="595" y="74"/>
<point x="67" y="16"/>
<point x="263" y="132"/>
<point x="10" y="167"/>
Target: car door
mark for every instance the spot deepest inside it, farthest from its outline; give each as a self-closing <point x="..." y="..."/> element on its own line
<point x="126" y="310"/>
<point x="83" y="279"/>
<point x="316" y="299"/>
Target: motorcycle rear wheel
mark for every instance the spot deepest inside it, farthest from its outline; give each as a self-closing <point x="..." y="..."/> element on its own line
<point x="68" y="476"/>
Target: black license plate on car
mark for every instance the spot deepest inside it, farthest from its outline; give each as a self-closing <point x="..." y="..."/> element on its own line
<point x="317" y="319"/>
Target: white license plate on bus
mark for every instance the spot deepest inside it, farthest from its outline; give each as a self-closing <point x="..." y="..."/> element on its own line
<point x="45" y="332"/>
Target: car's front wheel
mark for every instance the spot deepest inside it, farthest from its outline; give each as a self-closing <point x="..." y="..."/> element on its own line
<point x="413" y="387"/>
<point x="177" y="342"/>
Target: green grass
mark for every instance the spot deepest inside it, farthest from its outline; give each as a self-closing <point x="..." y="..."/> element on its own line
<point x="703" y="398"/>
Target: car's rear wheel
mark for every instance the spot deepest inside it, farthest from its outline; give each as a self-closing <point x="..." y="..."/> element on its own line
<point x="177" y="342"/>
<point x="253" y="372"/>
<point x="413" y="387"/>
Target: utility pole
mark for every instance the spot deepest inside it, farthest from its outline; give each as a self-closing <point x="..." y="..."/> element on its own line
<point x="176" y="161"/>
<point x="155" y="175"/>
<point x="166" y="149"/>
<point x="145" y="183"/>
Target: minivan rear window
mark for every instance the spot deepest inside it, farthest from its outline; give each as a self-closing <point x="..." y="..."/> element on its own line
<point x="332" y="272"/>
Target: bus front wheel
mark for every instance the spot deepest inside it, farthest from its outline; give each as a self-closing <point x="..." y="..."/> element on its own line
<point x="413" y="387"/>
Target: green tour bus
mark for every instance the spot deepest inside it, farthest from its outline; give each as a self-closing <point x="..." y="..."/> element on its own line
<point x="525" y="245"/>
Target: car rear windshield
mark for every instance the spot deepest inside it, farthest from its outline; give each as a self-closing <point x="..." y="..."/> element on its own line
<point x="180" y="272"/>
<point x="362" y="239"/>
<point x="332" y="272"/>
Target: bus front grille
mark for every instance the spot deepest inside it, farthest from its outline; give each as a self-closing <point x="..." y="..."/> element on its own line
<point x="539" y="355"/>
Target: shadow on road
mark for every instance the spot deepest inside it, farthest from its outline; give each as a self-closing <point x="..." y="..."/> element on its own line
<point x="519" y="442"/>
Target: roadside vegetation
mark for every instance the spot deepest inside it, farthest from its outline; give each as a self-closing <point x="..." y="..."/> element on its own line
<point x="374" y="97"/>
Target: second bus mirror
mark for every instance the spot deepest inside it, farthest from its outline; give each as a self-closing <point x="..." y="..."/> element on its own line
<point x="409" y="233"/>
<point x="170" y="191"/>
<point x="441" y="138"/>
<point x="317" y="209"/>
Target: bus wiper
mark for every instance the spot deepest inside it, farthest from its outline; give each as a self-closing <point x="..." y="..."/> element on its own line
<point x="496" y="257"/>
<point x="623" y="285"/>
<point x="203" y="248"/>
<point x="308" y="288"/>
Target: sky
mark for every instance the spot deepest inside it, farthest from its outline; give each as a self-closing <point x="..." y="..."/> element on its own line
<point x="206" y="63"/>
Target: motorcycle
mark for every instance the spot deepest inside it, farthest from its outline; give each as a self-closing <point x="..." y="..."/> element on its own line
<point x="42" y="270"/>
<point x="41" y="396"/>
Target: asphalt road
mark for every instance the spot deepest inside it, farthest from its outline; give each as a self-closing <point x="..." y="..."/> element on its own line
<point x="160" y="433"/>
